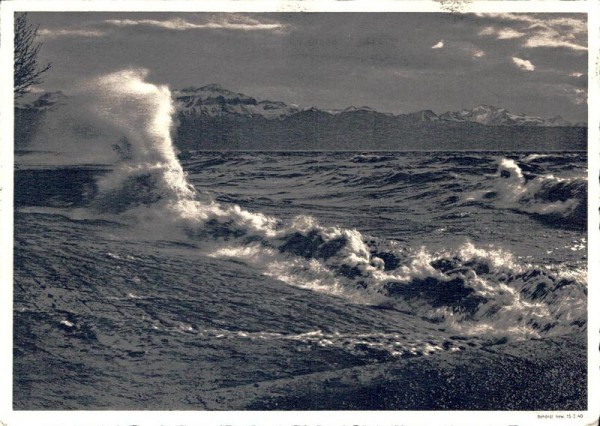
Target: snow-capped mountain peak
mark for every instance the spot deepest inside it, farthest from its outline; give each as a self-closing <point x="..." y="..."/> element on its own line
<point x="213" y="100"/>
<point x="494" y="116"/>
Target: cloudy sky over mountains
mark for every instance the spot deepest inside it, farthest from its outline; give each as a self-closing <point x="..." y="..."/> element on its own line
<point x="393" y="62"/>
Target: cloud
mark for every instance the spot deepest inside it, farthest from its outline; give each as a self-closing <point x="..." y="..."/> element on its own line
<point x="63" y="32"/>
<point x="226" y="22"/>
<point x="502" y="33"/>
<point x="523" y="64"/>
<point x="460" y="47"/>
<point x="508" y="33"/>
<point x="575" y="95"/>
<point x="580" y="96"/>
<point x="576" y="74"/>
<point x="468" y="47"/>
<point x="36" y="90"/>
<point x="539" y="30"/>
<point x="547" y="40"/>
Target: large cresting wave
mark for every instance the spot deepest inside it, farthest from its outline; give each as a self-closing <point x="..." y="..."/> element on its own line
<point x="558" y="201"/>
<point x="474" y="290"/>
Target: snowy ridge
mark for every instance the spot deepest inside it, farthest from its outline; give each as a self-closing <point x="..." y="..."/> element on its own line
<point x="213" y="100"/>
<point x="493" y="116"/>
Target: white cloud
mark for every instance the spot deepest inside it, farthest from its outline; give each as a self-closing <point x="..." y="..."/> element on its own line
<point x="488" y="31"/>
<point x="509" y="33"/>
<point x="502" y="33"/>
<point x="228" y="22"/>
<point x="523" y="64"/>
<point x="548" y="39"/>
<point x="580" y="96"/>
<point x="460" y="48"/>
<point x="565" y="91"/>
<point x="36" y="90"/>
<point x="569" y="33"/>
<point x="54" y="33"/>
<point x="576" y="74"/>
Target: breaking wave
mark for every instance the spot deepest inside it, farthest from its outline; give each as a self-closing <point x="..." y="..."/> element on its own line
<point x="555" y="200"/>
<point x="474" y="290"/>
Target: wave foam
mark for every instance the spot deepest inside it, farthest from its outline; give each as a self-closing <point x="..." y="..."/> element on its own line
<point x="555" y="200"/>
<point x="473" y="290"/>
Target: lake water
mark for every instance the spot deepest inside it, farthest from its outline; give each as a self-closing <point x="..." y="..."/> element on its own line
<point x="138" y="285"/>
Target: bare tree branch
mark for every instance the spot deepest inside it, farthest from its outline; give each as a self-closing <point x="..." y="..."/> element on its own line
<point x="27" y="71"/>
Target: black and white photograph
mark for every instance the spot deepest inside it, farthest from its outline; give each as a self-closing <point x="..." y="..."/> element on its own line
<point x="294" y="210"/>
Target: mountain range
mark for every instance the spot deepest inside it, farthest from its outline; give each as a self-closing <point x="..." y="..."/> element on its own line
<point x="213" y="100"/>
<point x="214" y="118"/>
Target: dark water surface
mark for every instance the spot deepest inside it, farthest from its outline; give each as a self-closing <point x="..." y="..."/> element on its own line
<point x="285" y="265"/>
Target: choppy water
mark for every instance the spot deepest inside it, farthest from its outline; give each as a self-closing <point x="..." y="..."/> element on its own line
<point x="330" y="260"/>
<point x="153" y="282"/>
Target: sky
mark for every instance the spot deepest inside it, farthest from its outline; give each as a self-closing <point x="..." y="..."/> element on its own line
<point x="394" y="62"/>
